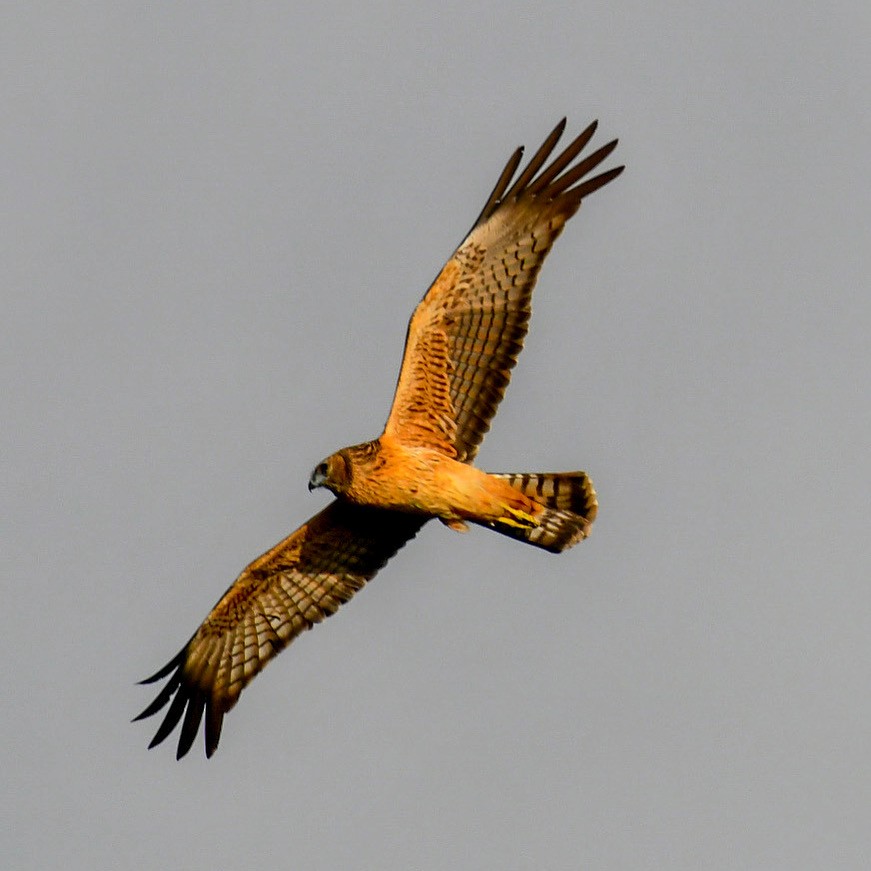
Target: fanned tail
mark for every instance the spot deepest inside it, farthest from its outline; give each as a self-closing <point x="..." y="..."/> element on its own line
<point x="570" y="508"/>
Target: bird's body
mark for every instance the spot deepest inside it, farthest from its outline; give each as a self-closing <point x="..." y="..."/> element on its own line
<point x="386" y="473"/>
<point x="463" y="340"/>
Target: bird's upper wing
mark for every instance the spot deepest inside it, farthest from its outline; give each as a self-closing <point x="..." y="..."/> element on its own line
<point x="466" y="333"/>
<point x="298" y="583"/>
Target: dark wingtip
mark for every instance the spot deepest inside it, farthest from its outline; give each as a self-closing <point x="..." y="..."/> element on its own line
<point x="195" y="704"/>
<point x="162" y="697"/>
<point x="188" y="706"/>
<point x="588" y="187"/>
<point x="174" y="663"/>
<point x="170" y="721"/>
<point x="184" y="703"/>
<point x="214" y="721"/>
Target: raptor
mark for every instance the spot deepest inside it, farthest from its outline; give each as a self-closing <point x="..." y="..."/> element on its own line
<point x="463" y="340"/>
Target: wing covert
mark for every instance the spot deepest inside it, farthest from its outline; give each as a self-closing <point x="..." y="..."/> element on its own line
<point x="288" y="589"/>
<point x="467" y="332"/>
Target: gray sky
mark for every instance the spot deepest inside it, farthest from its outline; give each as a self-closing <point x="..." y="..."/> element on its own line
<point x="216" y="222"/>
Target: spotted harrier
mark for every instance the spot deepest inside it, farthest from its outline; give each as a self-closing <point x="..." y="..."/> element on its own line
<point x="463" y="340"/>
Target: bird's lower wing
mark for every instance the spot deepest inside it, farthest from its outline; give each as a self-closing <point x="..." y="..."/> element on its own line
<point x="296" y="584"/>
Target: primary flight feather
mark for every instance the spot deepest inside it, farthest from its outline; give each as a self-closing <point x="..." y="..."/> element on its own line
<point x="463" y="339"/>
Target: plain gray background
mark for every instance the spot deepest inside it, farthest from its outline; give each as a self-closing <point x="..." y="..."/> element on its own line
<point x="216" y="220"/>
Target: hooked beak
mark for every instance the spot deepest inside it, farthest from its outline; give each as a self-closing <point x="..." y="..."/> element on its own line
<point x="318" y="479"/>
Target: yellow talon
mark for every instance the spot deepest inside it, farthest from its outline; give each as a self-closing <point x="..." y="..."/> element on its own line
<point x="523" y="521"/>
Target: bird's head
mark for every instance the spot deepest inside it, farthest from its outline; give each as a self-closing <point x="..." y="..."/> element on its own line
<point x="334" y="473"/>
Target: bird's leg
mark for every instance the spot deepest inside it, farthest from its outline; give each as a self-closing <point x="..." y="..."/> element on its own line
<point x="519" y="518"/>
<point x="456" y="524"/>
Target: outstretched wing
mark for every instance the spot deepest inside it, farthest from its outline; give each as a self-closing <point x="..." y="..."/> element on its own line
<point x="465" y="335"/>
<point x="298" y="583"/>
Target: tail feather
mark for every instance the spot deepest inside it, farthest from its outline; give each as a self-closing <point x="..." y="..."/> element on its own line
<point x="570" y="507"/>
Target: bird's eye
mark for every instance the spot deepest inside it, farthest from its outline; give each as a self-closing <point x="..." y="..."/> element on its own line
<point x="321" y="470"/>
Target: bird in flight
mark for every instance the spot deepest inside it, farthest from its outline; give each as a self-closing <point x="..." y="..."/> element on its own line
<point x="463" y="340"/>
